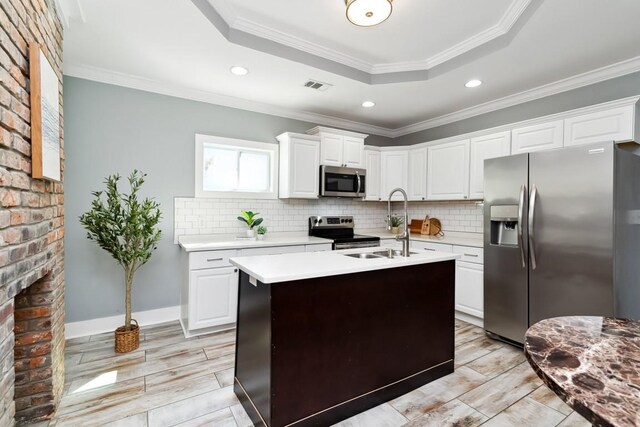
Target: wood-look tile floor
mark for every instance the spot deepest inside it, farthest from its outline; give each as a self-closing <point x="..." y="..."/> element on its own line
<point x="173" y="381"/>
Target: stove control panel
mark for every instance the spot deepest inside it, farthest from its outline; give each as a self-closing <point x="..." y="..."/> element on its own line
<point x="331" y="222"/>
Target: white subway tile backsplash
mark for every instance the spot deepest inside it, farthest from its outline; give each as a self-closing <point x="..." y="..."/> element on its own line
<point x="194" y="216"/>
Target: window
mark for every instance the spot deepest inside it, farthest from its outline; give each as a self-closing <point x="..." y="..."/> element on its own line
<point x="235" y="168"/>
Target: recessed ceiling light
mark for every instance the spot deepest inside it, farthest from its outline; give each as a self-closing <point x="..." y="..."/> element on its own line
<point x="239" y="71"/>
<point x="368" y="104"/>
<point x="473" y="83"/>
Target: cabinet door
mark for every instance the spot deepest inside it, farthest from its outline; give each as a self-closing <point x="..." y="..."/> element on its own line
<point x="418" y="174"/>
<point x="394" y="172"/>
<point x="482" y="148"/>
<point x="331" y="150"/>
<point x="372" y="180"/>
<point x="304" y="167"/>
<point x="610" y="125"/>
<point x="448" y="171"/>
<point x="213" y="297"/>
<point x="353" y="152"/>
<point x="538" y="137"/>
<point x="469" y="289"/>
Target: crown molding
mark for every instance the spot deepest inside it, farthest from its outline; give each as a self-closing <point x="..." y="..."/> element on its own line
<point x="149" y="85"/>
<point x="238" y="23"/>
<point x="590" y="77"/>
<point x="510" y="17"/>
<point x="134" y="82"/>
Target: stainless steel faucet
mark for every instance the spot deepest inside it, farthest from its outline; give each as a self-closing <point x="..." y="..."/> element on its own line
<point x="405" y="236"/>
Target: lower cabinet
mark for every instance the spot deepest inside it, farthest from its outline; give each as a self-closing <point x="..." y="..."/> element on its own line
<point x="469" y="288"/>
<point x="213" y="297"/>
<point x="209" y="292"/>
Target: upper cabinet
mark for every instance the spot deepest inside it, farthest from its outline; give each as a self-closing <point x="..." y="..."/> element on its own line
<point x="417" y="174"/>
<point x="340" y="148"/>
<point x="299" y="166"/>
<point x="537" y="137"/>
<point x="394" y="166"/>
<point x="448" y="171"/>
<point x="483" y="148"/>
<point x="609" y="125"/>
<point x="372" y="179"/>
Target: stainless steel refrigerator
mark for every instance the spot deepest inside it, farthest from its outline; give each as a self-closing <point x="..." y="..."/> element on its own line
<point x="561" y="236"/>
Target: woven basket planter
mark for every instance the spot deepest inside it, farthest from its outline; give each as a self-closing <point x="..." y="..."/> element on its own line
<point x="127" y="341"/>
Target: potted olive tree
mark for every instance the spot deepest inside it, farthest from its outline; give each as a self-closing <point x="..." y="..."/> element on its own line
<point x="127" y="228"/>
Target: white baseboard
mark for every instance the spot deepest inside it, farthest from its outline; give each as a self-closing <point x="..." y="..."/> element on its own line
<point x="108" y="324"/>
<point x="469" y="319"/>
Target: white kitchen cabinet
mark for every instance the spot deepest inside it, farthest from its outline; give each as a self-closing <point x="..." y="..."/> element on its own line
<point x="483" y="148"/>
<point x="372" y="179"/>
<point x="299" y="166"/>
<point x="448" y="171"/>
<point x="470" y="289"/>
<point x="609" y="125"/>
<point x="340" y="148"/>
<point x="394" y="172"/>
<point x="213" y="296"/>
<point x="417" y="174"/>
<point x="542" y="136"/>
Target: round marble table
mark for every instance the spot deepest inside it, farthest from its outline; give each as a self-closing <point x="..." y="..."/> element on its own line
<point x="592" y="363"/>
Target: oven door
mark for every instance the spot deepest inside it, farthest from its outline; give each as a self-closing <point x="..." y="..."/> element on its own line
<point x="342" y="182"/>
<point x="354" y="245"/>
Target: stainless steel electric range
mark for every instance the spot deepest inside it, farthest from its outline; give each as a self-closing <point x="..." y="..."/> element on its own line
<point x="340" y="230"/>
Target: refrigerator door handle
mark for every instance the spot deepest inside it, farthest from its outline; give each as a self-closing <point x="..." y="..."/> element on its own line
<point x="532" y="213"/>
<point x="523" y="191"/>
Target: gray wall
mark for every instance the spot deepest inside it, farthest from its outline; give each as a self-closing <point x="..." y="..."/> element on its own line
<point x="608" y="90"/>
<point x="111" y="129"/>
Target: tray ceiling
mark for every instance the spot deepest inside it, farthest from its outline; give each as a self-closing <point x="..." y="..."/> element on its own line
<point x="174" y="48"/>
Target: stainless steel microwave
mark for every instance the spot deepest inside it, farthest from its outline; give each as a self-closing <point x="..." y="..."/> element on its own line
<point x="342" y="182"/>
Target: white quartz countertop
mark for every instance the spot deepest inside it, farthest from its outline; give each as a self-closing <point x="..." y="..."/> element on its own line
<point x="213" y="242"/>
<point x="450" y="237"/>
<point x="307" y="265"/>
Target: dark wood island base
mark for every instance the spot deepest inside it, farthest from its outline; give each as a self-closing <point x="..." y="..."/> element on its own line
<point x="314" y="352"/>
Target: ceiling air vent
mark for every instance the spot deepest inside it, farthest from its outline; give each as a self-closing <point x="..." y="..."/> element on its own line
<point x="314" y="84"/>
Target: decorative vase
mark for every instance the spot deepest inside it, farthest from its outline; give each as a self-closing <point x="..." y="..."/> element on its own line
<point x="127" y="341"/>
<point x="394" y="230"/>
<point x="251" y="233"/>
<point x="260" y="236"/>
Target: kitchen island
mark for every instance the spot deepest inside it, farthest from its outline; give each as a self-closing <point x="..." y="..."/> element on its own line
<point x="323" y="336"/>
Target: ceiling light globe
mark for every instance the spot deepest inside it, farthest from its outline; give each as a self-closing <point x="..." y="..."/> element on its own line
<point x="238" y="70"/>
<point x="367" y="13"/>
<point x="473" y="83"/>
<point x="368" y="104"/>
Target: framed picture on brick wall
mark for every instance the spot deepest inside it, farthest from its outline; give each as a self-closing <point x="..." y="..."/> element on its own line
<point x="45" y="116"/>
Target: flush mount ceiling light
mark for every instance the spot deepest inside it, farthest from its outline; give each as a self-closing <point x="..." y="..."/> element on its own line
<point x="239" y="71"/>
<point x="368" y="104"/>
<point x="367" y="13"/>
<point x="473" y="83"/>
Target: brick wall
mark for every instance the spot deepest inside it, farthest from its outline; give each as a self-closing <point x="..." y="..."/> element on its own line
<point x="31" y="227"/>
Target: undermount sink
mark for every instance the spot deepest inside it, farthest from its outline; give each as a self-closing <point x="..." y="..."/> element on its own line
<point x="364" y="256"/>
<point x="387" y="253"/>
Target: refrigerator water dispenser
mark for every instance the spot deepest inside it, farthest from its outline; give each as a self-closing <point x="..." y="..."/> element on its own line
<point x="504" y="225"/>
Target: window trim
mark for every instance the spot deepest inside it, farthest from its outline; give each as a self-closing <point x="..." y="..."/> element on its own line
<point x="237" y="143"/>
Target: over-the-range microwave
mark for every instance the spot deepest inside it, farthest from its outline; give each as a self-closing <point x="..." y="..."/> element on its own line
<point x="342" y="182"/>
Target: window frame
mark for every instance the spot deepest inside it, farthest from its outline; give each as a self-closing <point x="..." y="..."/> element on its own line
<point x="272" y="149"/>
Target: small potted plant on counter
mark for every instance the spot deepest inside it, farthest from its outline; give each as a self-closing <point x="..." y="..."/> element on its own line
<point x="261" y="231"/>
<point x="127" y="228"/>
<point x="251" y="220"/>
<point x="395" y="222"/>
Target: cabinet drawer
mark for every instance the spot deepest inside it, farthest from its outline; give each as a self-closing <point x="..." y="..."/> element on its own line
<point x="274" y="250"/>
<point x="210" y="259"/>
<point x="428" y="246"/>
<point x="318" y="248"/>
<point x="470" y="254"/>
